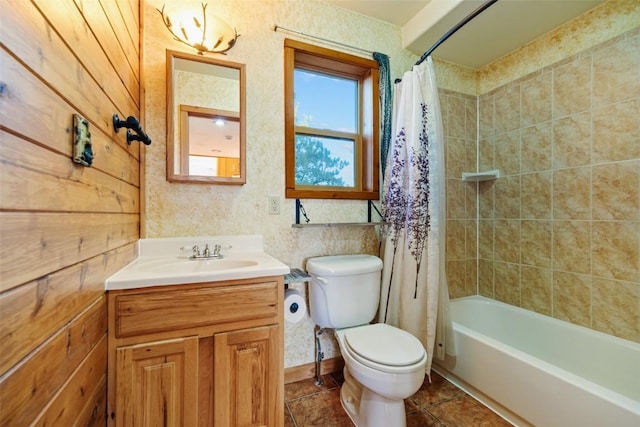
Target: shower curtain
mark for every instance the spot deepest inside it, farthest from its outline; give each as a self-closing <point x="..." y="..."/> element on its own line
<point x="414" y="294"/>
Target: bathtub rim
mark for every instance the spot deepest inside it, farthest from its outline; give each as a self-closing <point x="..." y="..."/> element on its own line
<point x="575" y="380"/>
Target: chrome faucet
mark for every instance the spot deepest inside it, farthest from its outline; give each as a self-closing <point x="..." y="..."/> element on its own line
<point x="206" y="252"/>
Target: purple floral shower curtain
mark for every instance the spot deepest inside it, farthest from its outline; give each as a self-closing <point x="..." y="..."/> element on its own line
<point x="414" y="294"/>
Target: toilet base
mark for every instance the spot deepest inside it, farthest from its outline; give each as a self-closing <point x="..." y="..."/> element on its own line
<point x="368" y="409"/>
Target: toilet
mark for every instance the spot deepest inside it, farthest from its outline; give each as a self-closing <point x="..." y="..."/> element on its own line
<point x="383" y="364"/>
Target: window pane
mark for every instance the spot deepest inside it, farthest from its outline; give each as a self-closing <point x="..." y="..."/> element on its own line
<point x="323" y="101"/>
<point x="325" y="161"/>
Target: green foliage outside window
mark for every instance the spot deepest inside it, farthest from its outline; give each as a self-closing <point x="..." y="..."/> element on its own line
<point x="315" y="165"/>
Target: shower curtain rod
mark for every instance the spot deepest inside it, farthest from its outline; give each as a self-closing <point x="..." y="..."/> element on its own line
<point x="455" y="28"/>
<point x="278" y="27"/>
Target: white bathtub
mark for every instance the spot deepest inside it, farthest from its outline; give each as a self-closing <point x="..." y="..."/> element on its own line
<point x="536" y="370"/>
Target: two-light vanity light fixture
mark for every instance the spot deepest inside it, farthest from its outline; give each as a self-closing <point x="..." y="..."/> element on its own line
<point x="206" y="32"/>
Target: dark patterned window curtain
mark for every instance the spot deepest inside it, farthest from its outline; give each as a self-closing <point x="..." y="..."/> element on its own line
<point x="414" y="294"/>
<point x="384" y="77"/>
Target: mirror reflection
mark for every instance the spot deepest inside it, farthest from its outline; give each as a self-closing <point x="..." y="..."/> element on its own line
<point x="205" y="120"/>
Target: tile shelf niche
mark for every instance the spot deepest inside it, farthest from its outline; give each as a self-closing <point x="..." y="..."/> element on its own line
<point x="481" y="176"/>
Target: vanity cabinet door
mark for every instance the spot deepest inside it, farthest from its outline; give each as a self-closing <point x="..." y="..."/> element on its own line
<point x="246" y="378"/>
<point x="157" y="383"/>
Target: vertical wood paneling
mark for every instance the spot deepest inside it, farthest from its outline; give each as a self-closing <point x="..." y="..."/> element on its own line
<point x="64" y="228"/>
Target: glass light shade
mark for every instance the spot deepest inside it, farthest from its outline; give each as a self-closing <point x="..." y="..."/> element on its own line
<point x="198" y="28"/>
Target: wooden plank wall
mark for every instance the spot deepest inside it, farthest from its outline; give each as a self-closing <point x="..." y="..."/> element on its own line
<point x="64" y="228"/>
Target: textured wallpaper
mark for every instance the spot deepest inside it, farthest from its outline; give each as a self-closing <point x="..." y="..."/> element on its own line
<point x="174" y="209"/>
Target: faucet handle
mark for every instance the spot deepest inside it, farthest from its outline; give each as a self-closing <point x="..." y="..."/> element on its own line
<point x="195" y="250"/>
<point x="216" y="250"/>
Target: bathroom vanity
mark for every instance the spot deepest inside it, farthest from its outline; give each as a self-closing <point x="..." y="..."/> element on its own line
<point x="200" y="352"/>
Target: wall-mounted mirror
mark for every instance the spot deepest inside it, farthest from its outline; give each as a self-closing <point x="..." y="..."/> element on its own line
<point x="205" y="120"/>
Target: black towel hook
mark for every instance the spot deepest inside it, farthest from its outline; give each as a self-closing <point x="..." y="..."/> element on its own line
<point x="131" y="123"/>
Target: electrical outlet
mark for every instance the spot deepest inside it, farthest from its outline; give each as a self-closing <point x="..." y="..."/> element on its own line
<point x="274" y="205"/>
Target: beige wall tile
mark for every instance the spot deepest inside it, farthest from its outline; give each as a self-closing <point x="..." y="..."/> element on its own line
<point x="616" y="72"/>
<point x="471" y="239"/>
<point x="616" y="308"/>
<point x="578" y="200"/>
<point x="535" y="99"/>
<point x="455" y="240"/>
<point x="456" y="157"/>
<point x="471" y="118"/>
<point x="602" y="23"/>
<point x="572" y="141"/>
<point x="535" y="243"/>
<point x="485" y="278"/>
<point x="535" y="148"/>
<point x="486" y="154"/>
<point x="507" y="283"/>
<point x="486" y="237"/>
<point x="570" y="242"/>
<point x="572" y="298"/>
<point x="443" y="97"/>
<point x="572" y="193"/>
<point x="615" y="250"/>
<point x="471" y="155"/>
<point x="615" y="189"/>
<point x="471" y="200"/>
<point x="507" y="197"/>
<point x="456" y="117"/>
<point x="456" y="199"/>
<point x="572" y="87"/>
<point x="507" y="109"/>
<point x="535" y="195"/>
<point x="616" y="132"/>
<point x="486" y="108"/>
<point x="507" y="153"/>
<point x="471" y="277"/>
<point x="536" y="289"/>
<point x="486" y="198"/>
<point x="507" y="241"/>
<point x="456" y="278"/>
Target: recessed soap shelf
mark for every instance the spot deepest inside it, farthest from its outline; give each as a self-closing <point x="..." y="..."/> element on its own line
<point x="481" y="176"/>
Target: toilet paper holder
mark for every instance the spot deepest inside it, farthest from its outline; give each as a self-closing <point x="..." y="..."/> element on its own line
<point x="296" y="276"/>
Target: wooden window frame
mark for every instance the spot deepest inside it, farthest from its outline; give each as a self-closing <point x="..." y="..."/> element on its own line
<point x="302" y="55"/>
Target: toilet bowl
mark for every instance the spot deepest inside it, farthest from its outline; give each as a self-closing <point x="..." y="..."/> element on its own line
<point x="383" y="364"/>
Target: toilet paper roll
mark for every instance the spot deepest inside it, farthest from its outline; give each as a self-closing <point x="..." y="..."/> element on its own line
<point x="294" y="306"/>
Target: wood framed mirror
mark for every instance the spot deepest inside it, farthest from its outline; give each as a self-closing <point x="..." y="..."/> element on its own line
<point x="205" y="120"/>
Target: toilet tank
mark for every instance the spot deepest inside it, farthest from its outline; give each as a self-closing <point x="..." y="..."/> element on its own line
<point x="344" y="289"/>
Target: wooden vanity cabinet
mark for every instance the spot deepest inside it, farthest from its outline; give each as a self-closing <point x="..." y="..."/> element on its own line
<point x="197" y="355"/>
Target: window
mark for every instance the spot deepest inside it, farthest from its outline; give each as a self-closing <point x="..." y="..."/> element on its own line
<point x="331" y="124"/>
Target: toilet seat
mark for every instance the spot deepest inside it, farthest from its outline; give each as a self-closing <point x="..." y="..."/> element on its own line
<point x="384" y="347"/>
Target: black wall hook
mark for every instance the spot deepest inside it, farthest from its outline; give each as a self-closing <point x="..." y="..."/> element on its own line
<point x="131" y="123"/>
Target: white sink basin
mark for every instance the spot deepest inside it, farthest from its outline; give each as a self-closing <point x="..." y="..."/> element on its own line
<point x="186" y="266"/>
<point x="159" y="265"/>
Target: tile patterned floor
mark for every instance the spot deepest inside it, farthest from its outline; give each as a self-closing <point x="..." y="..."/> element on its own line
<point x="438" y="404"/>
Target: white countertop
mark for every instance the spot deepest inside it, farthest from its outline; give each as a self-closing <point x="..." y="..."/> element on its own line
<point x="165" y="261"/>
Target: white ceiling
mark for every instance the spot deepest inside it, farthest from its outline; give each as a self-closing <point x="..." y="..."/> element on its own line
<point x="502" y="28"/>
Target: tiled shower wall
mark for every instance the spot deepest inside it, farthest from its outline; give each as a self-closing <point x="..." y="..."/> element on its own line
<point x="559" y="231"/>
<point x="459" y="117"/>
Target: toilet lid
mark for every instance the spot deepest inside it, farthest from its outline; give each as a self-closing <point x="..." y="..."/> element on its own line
<point x="384" y="344"/>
